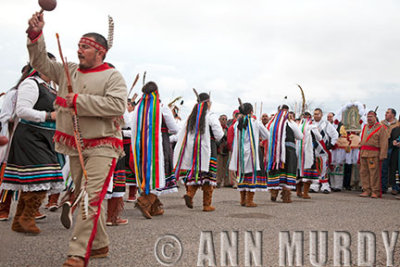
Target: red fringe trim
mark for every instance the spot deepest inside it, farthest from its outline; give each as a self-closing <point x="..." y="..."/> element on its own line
<point x="96" y="217"/>
<point x="69" y="140"/>
<point x="62" y="102"/>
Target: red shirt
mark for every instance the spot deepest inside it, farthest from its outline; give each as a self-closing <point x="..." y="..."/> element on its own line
<point x="231" y="134"/>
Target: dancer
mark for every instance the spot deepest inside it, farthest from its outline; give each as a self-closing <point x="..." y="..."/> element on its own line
<point x="308" y="162"/>
<point x="151" y="150"/>
<point x="282" y="165"/>
<point x="245" y="161"/>
<point x="127" y="135"/>
<point x="99" y="101"/>
<point x="195" y="155"/>
<point x="32" y="166"/>
<point x="329" y="139"/>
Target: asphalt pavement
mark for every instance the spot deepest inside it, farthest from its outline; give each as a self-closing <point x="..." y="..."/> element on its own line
<point x="259" y="236"/>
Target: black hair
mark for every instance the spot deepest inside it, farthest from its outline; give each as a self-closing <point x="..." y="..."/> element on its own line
<point x="244" y="109"/>
<point x="318" y="109"/>
<point x="99" y="39"/>
<point x="25" y="73"/>
<point x="50" y="55"/>
<point x="191" y="124"/>
<point x="393" y="111"/>
<point x="284" y="106"/>
<point x="149" y="87"/>
<point x="110" y="65"/>
<point x="27" y="69"/>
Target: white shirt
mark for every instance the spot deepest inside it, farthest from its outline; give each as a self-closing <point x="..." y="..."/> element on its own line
<point x="329" y="131"/>
<point x="28" y="94"/>
<point x="8" y="109"/>
<point x="169" y="120"/>
<point x="259" y="130"/>
<point x="211" y="121"/>
<point x="128" y="118"/>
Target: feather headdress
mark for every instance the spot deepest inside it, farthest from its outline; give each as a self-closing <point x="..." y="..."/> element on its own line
<point x="110" y="39"/>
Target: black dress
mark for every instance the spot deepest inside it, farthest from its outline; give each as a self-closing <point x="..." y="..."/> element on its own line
<point x="32" y="163"/>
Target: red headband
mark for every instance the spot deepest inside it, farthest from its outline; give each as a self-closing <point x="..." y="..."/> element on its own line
<point x="92" y="43"/>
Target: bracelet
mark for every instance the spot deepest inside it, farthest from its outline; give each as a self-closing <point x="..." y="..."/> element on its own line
<point x="48" y="115"/>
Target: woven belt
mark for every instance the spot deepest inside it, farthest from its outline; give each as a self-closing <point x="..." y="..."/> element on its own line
<point x="47" y="124"/>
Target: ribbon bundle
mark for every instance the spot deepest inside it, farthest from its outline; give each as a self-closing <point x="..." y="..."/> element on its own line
<point x="276" y="127"/>
<point x="302" y="143"/>
<point x="240" y="159"/>
<point x="146" y="143"/>
<point x="196" y="155"/>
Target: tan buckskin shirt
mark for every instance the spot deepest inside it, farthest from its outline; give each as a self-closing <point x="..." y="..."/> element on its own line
<point x="100" y="102"/>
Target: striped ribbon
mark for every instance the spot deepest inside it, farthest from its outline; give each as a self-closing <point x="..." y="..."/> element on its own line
<point x="301" y="154"/>
<point x="241" y="141"/>
<point x="146" y="146"/>
<point x="196" y="163"/>
<point x="274" y="147"/>
<point x="196" y="153"/>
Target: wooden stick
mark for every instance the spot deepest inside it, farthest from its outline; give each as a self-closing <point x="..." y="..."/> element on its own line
<point x="77" y="136"/>
<point x="69" y="83"/>
<point x="133" y="85"/>
<point x="144" y="77"/>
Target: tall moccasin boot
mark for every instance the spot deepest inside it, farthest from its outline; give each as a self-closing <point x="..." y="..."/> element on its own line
<point x="152" y="198"/>
<point x="243" y="198"/>
<point x="274" y="194"/>
<point x="52" y="205"/>
<point x="249" y="200"/>
<point x="286" y="195"/>
<point x="156" y="208"/>
<point x="132" y="193"/>
<point x="119" y="207"/>
<point x="5" y="207"/>
<point x="16" y="227"/>
<point x="110" y="211"/>
<point x="144" y="204"/>
<point x="190" y="192"/>
<point x="299" y="186"/>
<point x="32" y="200"/>
<point x="115" y="208"/>
<point x="207" y="198"/>
<point x="306" y="190"/>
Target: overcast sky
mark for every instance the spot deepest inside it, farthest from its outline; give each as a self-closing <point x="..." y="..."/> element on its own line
<point x="258" y="50"/>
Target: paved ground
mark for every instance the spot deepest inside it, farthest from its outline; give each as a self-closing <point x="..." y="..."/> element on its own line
<point x="133" y="245"/>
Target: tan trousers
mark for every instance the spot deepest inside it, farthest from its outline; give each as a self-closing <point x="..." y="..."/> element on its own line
<point x="370" y="175"/>
<point x="97" y="170"/>
<point x="222" y="170"/>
